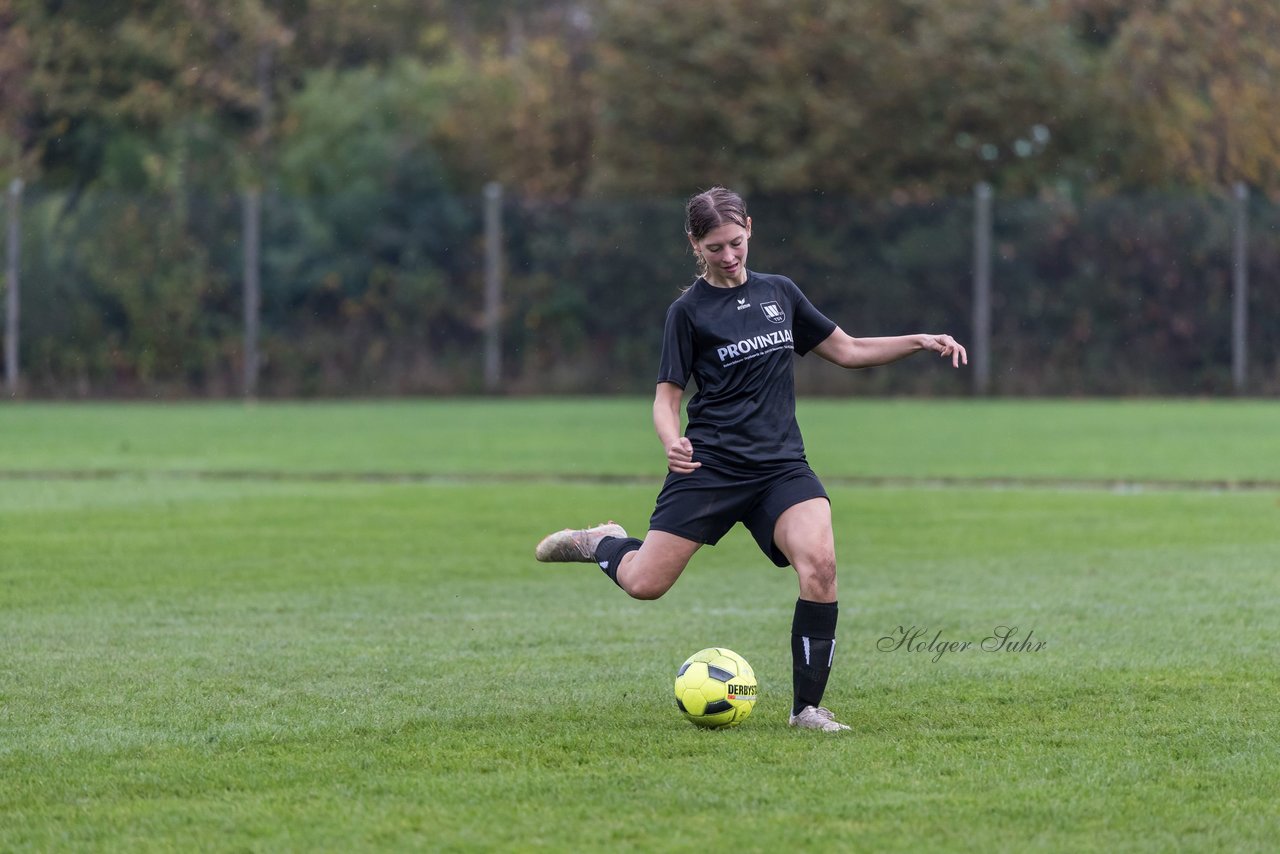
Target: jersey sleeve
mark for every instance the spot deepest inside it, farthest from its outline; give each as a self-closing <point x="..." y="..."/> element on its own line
<point x="677" y="346"/>
<point x="809" y="327"/>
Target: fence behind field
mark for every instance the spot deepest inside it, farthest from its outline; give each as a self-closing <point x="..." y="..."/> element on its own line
<point x="369" y="294"/>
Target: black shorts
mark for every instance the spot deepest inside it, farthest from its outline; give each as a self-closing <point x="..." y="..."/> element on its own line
<point x="703" y="505"/>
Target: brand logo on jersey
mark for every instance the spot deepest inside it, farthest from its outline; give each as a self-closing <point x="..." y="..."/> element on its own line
<point x="773" y="311"/>
<point x="742" y="303"/>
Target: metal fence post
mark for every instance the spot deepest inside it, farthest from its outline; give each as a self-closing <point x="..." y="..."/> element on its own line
<point x="251" y="207"/>
<point x="1240" y="291"/>
<point x="492" y="286"/>
<point x="12" y="292"/>
<point x="982" y="288"/>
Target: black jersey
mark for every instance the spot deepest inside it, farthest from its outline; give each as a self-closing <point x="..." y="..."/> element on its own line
<point x="738" y="344"/>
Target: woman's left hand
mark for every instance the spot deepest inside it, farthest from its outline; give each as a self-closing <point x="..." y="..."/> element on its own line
<point x="944" y="346"/>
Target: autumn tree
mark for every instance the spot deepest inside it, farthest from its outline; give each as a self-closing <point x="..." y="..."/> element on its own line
<point x="794" y="95"/>
<point x="1196" y="86"/>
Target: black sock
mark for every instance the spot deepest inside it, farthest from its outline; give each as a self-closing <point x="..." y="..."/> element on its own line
<point x="813" y="647"/>
<point x="610" y="551"/>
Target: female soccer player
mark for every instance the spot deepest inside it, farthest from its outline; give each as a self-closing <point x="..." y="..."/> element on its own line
<point x="741" y="458"/>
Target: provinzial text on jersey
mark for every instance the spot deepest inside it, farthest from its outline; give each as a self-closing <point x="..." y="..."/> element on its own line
<point x="755" y="346"/>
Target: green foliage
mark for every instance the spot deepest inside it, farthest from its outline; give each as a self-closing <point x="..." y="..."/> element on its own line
<point x="99" y="70"/>
<point x="377" y="290"/>
<point x="856" y="130"/>
<point x="128" y="299"/>
<point x="1104" y="296"/>
<point x="861" y="99"/>
<point x="1126" y="294"/>
<point x="1197" y="83"/>
<point x="565" y="97"/>
<point x="366" y="245"/>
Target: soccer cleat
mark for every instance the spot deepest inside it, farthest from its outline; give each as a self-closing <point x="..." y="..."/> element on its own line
<point x="816" y="717"/>
<point x="570" y="546"/>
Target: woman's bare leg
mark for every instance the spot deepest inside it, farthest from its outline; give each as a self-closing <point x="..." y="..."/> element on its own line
<point x="650" y="571"/>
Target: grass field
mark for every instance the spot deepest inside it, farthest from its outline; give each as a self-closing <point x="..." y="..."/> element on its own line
<point x="320" y="627"/>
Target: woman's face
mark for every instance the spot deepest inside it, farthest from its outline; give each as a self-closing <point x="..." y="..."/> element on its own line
<point x="724" y="248"/>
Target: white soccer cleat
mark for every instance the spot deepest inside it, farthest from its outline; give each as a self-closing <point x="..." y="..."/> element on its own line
<point x="816" y="717"/>
<point x="570" y="546"/>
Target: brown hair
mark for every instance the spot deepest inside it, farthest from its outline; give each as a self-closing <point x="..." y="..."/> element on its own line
<point x="709" y="210"/>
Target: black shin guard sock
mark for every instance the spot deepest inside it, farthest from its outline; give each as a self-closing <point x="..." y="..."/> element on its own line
<point x="813" y="647"/>
<point x="610" y="552"/>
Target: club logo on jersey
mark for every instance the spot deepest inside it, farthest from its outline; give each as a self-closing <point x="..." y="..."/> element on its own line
<point x="742" y="303"/>
<point x="773" y="311"/>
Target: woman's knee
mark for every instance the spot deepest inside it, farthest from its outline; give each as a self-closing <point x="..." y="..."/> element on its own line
<point x="817" y="573"/>
<point x="646" y="589"/>
<point x="647" y="579"/>
<point x="652" y="570"/>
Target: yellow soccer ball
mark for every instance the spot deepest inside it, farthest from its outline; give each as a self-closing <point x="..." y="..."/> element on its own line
<point x="716" y="688"/>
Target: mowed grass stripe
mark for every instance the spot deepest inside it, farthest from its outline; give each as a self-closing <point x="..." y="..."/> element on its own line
<point x="1093" y="440"/>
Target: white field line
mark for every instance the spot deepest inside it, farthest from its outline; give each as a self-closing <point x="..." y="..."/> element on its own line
<point x="1120" y="485"/>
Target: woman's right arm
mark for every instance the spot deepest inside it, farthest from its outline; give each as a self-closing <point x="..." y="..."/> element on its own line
<point x="666" y="420"/>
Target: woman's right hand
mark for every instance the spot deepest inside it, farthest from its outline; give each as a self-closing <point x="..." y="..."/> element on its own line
<point x="680" y="456"/>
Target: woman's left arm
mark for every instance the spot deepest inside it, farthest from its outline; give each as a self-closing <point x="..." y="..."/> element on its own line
<point x="844" y="350"/>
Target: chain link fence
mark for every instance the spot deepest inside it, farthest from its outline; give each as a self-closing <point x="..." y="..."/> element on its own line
<point x="143" y="296"/>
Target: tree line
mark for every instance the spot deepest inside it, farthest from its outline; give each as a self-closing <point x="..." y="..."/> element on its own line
<point x="372" y="129"/>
